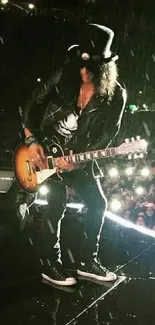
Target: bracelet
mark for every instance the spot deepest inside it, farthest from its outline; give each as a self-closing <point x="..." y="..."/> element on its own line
<point x="30" y="140"/>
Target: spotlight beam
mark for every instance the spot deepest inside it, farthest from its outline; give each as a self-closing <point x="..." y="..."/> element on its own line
<point x="129" y="224"/>
<point x="19" y="7"/>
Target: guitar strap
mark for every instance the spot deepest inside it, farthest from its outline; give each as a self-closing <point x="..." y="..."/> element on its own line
<point x="96" y="170"/>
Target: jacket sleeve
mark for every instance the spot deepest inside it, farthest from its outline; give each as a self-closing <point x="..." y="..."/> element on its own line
<point x="113" y="119"/>
<point x="36" y="105"/>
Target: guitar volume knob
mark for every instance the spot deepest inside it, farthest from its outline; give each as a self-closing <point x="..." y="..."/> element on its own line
<point x="54" y="150"/>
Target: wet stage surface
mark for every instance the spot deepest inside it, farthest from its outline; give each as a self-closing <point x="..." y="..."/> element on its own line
<point x="130" y="300"/>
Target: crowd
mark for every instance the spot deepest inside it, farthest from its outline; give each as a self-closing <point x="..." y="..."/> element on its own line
<point x="131" y="193"/>
<point x="138" y="208"/>
<point x="130" y="190"/>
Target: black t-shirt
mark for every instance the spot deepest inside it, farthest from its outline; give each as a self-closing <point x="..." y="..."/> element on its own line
<point x="68" y="125"/>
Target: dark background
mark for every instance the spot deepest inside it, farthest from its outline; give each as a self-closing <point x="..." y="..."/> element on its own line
<point x="34" y="42"/>
<point x="32" y="45"/>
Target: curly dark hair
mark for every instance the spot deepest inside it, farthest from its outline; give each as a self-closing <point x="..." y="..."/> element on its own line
<point x="107" y="80"/>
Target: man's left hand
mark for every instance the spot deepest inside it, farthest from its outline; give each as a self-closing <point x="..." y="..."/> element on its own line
<point x="62" y="164"/>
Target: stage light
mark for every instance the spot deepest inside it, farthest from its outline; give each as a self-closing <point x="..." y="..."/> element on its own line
<point x="145" y="106"/>
<point x="43" y="190"/>
<point x="115" y="205"/>
<point x="129" y="171"/>
<point x="75" y="205"/>
<point x="145" y="172"/>
<point x="40" y="202"/>
<point x="132" y="107"/>
<point x="113" y="172"/>
<point x="139" y="190"/>
<point x="38" y="79"/>
<point x="4" y="2"/>
<point x="31" y="6"/>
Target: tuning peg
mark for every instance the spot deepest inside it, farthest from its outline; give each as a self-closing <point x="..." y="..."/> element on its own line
<point x="141" y="155"/>
<point x="138" y="137"/>
<point x="127" y="140"/>
<point x="132" y="139"/>
<point x="135" y="156"/>
<point x="129" y="157"/>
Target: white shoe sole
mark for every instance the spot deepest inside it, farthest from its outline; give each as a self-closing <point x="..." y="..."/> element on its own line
<point x="69" y="281"/>
<point x="110" y="277"/>
<point x="69" y="289"/>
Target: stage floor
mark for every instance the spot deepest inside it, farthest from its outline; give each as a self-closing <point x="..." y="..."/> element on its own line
<point x="24" y="299"/>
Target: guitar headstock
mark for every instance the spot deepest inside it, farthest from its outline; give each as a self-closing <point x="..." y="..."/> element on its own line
<point x="136" y="147"/>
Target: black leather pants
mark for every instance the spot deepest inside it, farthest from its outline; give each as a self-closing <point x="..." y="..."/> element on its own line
<point x="85" y="185"/>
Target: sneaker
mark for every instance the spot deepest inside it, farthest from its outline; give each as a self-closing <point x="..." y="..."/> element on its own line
<point x="94" y="270"/>
<point x="57" y="275"/>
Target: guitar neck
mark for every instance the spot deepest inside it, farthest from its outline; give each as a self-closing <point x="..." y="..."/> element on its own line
<point x="88" y="156"/>
<point x="126" y="148"/>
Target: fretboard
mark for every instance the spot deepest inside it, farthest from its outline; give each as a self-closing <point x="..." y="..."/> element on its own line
<point x="90" y="155"/>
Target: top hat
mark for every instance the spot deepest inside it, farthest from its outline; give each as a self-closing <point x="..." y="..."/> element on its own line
<point x="94" y="44"/>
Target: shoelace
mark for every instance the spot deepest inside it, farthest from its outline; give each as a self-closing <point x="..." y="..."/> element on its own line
<point x="59" y="270"/>
<point x="100" y="267"/>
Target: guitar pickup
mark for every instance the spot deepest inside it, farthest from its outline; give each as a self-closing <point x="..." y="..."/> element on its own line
<point x="28" y="167"/>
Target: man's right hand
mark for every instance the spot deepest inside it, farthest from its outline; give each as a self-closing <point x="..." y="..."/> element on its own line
<point x="37" y="155"/>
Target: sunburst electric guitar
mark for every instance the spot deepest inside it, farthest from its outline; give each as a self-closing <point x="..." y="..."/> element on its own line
<point x="29" y="178"/>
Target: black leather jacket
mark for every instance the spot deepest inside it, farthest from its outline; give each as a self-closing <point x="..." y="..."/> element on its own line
<point x="98" y="124"/>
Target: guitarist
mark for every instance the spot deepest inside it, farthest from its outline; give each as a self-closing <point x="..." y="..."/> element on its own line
<point x="81" y="108"/>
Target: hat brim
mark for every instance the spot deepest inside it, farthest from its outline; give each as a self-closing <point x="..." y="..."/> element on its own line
<point x="74" y="51"/>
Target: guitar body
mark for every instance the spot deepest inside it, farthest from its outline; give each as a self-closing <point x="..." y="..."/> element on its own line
<point x="27" y="176"/>
<point x="24" y="170"/>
